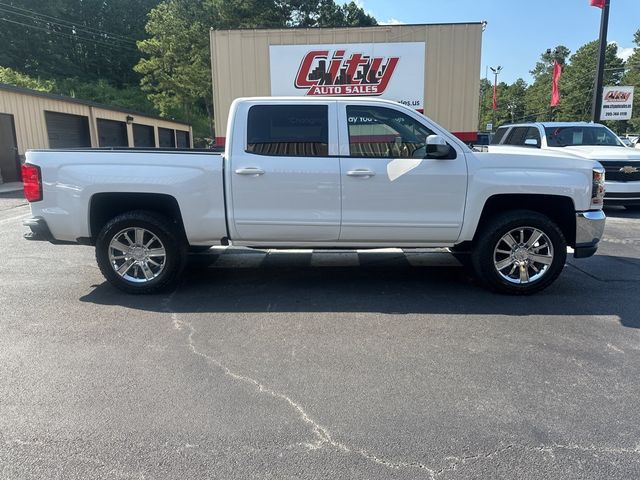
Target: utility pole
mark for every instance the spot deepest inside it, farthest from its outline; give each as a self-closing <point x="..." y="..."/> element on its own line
<point x="495" y="71"/>
<point x="597" y="93"/>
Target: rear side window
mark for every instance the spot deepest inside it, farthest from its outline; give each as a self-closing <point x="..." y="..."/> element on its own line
<point x="516" y="136"/>
<point x="524" y="137"/>
<point x="288" y="130"/>
<point x="498" y="136"/>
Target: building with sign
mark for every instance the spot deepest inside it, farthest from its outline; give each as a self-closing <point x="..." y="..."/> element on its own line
<point x="30" y="119"/>
<point x="434" y="68"/>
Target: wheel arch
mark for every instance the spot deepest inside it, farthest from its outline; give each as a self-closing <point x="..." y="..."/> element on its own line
<point x="560" y="209"/>
<point x="107" y="205"/>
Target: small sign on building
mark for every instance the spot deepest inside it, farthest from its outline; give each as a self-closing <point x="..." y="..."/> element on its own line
<point x="617" y="103"/>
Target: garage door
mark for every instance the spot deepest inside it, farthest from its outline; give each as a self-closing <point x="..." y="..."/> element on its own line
<point x="9" y="169"/>
<point x="112" y="133"/>
<point x="167" y="137"/>
<point x="67" y="131"/>
<point x="182" y="139"/>
<point x="143" y="136"/>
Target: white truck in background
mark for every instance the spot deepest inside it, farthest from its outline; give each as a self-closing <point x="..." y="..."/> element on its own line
<point x="320" y="173"/>
<point x="583" y="140"/>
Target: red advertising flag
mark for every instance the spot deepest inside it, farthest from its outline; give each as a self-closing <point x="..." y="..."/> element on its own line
<point x="555" y="91"/>
<point x="597" y="3"/>
<point x="495" y="96"/>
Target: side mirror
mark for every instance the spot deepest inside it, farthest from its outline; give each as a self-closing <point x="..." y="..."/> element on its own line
<point x="531" y="142"/>
<point x="437" y="147"/>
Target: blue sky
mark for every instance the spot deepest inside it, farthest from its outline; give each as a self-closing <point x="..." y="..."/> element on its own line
<point x="518" y="31"/>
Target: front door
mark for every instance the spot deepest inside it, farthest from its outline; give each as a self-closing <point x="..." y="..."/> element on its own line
<point x="285" y="175"/>
<point x="395" y="188"/>
<point x="9" y="160"/>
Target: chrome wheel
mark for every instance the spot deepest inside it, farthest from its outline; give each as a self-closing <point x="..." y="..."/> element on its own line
<point x="523" y="255"/>
<point x="137" y="255"/>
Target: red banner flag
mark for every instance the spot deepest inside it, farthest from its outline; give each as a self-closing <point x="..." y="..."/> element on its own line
<point x="555" y="91"/>
<point x="597" y="3"/>
<point x="495" y="96"/>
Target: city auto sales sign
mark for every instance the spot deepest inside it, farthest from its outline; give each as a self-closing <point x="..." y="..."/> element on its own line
<point x="394" y="71"/>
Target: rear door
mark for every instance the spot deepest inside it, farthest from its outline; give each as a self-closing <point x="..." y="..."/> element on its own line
<point x="285" y="173"/>
<point x="394" y="189"/>
<point x="9" y="162"/>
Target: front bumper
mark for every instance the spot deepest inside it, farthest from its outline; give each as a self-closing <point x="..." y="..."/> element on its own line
<point x="589" y="231"/>
<point x="622" y="193"/>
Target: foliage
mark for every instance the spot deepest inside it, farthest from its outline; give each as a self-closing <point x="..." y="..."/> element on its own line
<point x="520" y="102"/>
<point x="176" y="70"/>
<point x="88" y="39"/>
<point x="632" y="77"/>
<point x="99" y="91"/>
<point x="12" y="77"/>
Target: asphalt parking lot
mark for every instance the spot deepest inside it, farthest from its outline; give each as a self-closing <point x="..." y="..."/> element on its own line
<point x="314" y="366"/>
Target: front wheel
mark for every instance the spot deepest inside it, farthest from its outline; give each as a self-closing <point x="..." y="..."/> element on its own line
<point x="140" y="252"/>
<point x="520" y="253"/>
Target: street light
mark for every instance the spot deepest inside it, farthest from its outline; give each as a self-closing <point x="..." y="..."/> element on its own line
<point x="495" y="71"/>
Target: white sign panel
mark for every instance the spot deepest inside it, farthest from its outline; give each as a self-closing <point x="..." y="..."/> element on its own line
<point x="617" y="103"/>
<point x="394" y="71"/>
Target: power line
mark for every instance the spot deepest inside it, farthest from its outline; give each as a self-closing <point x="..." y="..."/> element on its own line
<point x="88" y="29"/>
<point x="72" y="28"/>
<point x="69" y="35"/>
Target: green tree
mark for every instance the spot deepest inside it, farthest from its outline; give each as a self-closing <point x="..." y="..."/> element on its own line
<point x="632" y="77"/>
<point x="538" y="95"/>
<point x="88" y="39"/>
<point x="578" y="80"/>
<point x="176" y="70"/>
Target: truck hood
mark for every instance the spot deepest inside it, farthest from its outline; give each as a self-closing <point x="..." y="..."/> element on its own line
<point x="595" y="152"/>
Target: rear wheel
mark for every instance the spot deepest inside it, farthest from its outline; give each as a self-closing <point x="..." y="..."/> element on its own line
<point x="519" y="252"/>
<point x="140" y="252"/>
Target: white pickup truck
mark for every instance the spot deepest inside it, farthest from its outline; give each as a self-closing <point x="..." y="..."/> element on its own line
<point x="319" y="173"/>
<point x="591" y="141"/>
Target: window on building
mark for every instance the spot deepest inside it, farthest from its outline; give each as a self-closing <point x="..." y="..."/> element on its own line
<point x="143" y="136"/>
<point x="67" y="131"/>
<point x="182" y="139"/>
<point x="167" y="137"/>
<point x="112" y="133"/>
<point x="288" y="130"/>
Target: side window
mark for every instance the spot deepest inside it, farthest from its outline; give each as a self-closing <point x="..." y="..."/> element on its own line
<point x="498" y="136"/>
<point x="288" y="130"/>
<point x="516" y="136"/>
<point x="532" y="138"/>
<point x="380" y="132"/>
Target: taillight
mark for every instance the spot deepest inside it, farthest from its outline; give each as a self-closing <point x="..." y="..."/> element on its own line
<point x="32" y="182"/>
<point x="597" y="187"/>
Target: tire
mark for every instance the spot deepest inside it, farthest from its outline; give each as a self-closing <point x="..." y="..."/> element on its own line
<point x="152" y="262"/>
<point x="536" y="266"/>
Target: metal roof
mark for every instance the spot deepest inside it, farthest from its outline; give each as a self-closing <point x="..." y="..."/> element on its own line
<point x="64" y="98"/>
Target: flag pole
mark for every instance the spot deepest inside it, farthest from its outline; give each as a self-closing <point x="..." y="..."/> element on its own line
<point x="597" y="93"/>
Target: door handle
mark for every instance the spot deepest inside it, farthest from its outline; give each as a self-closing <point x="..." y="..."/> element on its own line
<point x="250" y="171"/>
<point x="361" y="172"/>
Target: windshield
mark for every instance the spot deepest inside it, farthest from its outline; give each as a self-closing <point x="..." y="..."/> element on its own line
<point x="582" y="135"/>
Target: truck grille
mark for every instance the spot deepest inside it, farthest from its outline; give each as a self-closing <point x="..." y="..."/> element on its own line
<point x="613" y="171"/>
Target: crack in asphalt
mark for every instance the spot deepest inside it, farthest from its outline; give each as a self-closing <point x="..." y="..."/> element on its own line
<point x="321" y="433"/>
<point x="325" y="439"/>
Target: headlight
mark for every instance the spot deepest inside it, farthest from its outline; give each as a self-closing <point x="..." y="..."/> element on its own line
<point x="597" y="188"/>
